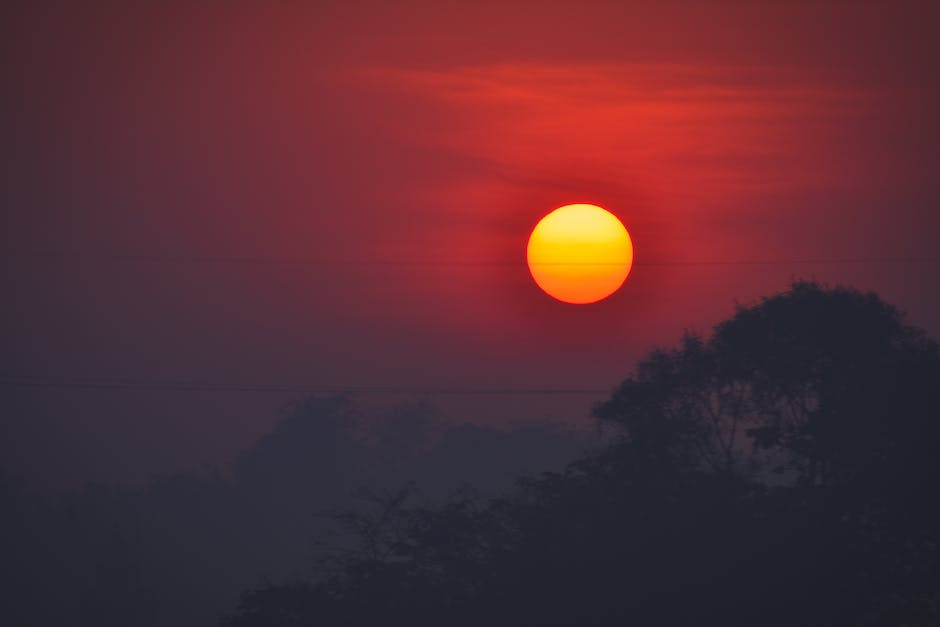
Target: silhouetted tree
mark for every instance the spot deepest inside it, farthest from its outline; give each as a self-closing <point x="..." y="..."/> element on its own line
<point x="782" y="471"/>
<point x="815" y="384"/>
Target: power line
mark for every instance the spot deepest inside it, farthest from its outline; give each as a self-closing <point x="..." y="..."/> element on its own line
<point x="305" y="261"/>
<point x="29" y="381"/>
<point x="33" y="381"/>
<point x="780" y="262"/>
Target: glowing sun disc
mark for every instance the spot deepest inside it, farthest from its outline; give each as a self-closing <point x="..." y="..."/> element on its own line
<point x="579" y="253"/>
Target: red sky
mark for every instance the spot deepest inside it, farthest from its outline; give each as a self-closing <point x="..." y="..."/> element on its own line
<point x="339" y="194"/>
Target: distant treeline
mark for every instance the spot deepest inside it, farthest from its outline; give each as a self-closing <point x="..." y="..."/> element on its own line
<point x="177" y="551"/>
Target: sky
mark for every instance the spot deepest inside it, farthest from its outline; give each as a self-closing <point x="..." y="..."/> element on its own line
<point x="266" y="198"/>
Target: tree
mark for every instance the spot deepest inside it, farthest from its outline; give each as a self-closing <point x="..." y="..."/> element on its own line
<point x="779" y="472"/>
<point x="821" y="385"/>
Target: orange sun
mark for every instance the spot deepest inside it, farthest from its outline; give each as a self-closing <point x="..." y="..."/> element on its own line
<point x="579" y="253"/>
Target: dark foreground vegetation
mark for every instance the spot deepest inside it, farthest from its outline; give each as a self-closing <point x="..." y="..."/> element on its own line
<point x="178" y="550"/>
<point x="782" y="472"/>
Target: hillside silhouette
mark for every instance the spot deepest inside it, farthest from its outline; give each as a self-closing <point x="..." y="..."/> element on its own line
<point x="782" y="471"/>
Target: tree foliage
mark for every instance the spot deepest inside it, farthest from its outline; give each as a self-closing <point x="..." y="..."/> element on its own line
<point x="781" y="471"/>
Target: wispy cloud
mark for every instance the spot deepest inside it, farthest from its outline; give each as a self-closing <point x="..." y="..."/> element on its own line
<point x="711" y="128"/>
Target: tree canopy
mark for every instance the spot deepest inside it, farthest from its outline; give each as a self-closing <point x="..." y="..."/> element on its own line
<point x="781" y="471"/>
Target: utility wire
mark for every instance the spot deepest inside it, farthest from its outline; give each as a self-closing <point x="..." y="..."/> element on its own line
<point x="31" y="381"/>
<point x="305" y="261"/>
<point x="28" y="381"/>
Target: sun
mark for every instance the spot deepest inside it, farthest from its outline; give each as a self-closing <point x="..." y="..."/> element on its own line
<point x="579" y="253"/>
